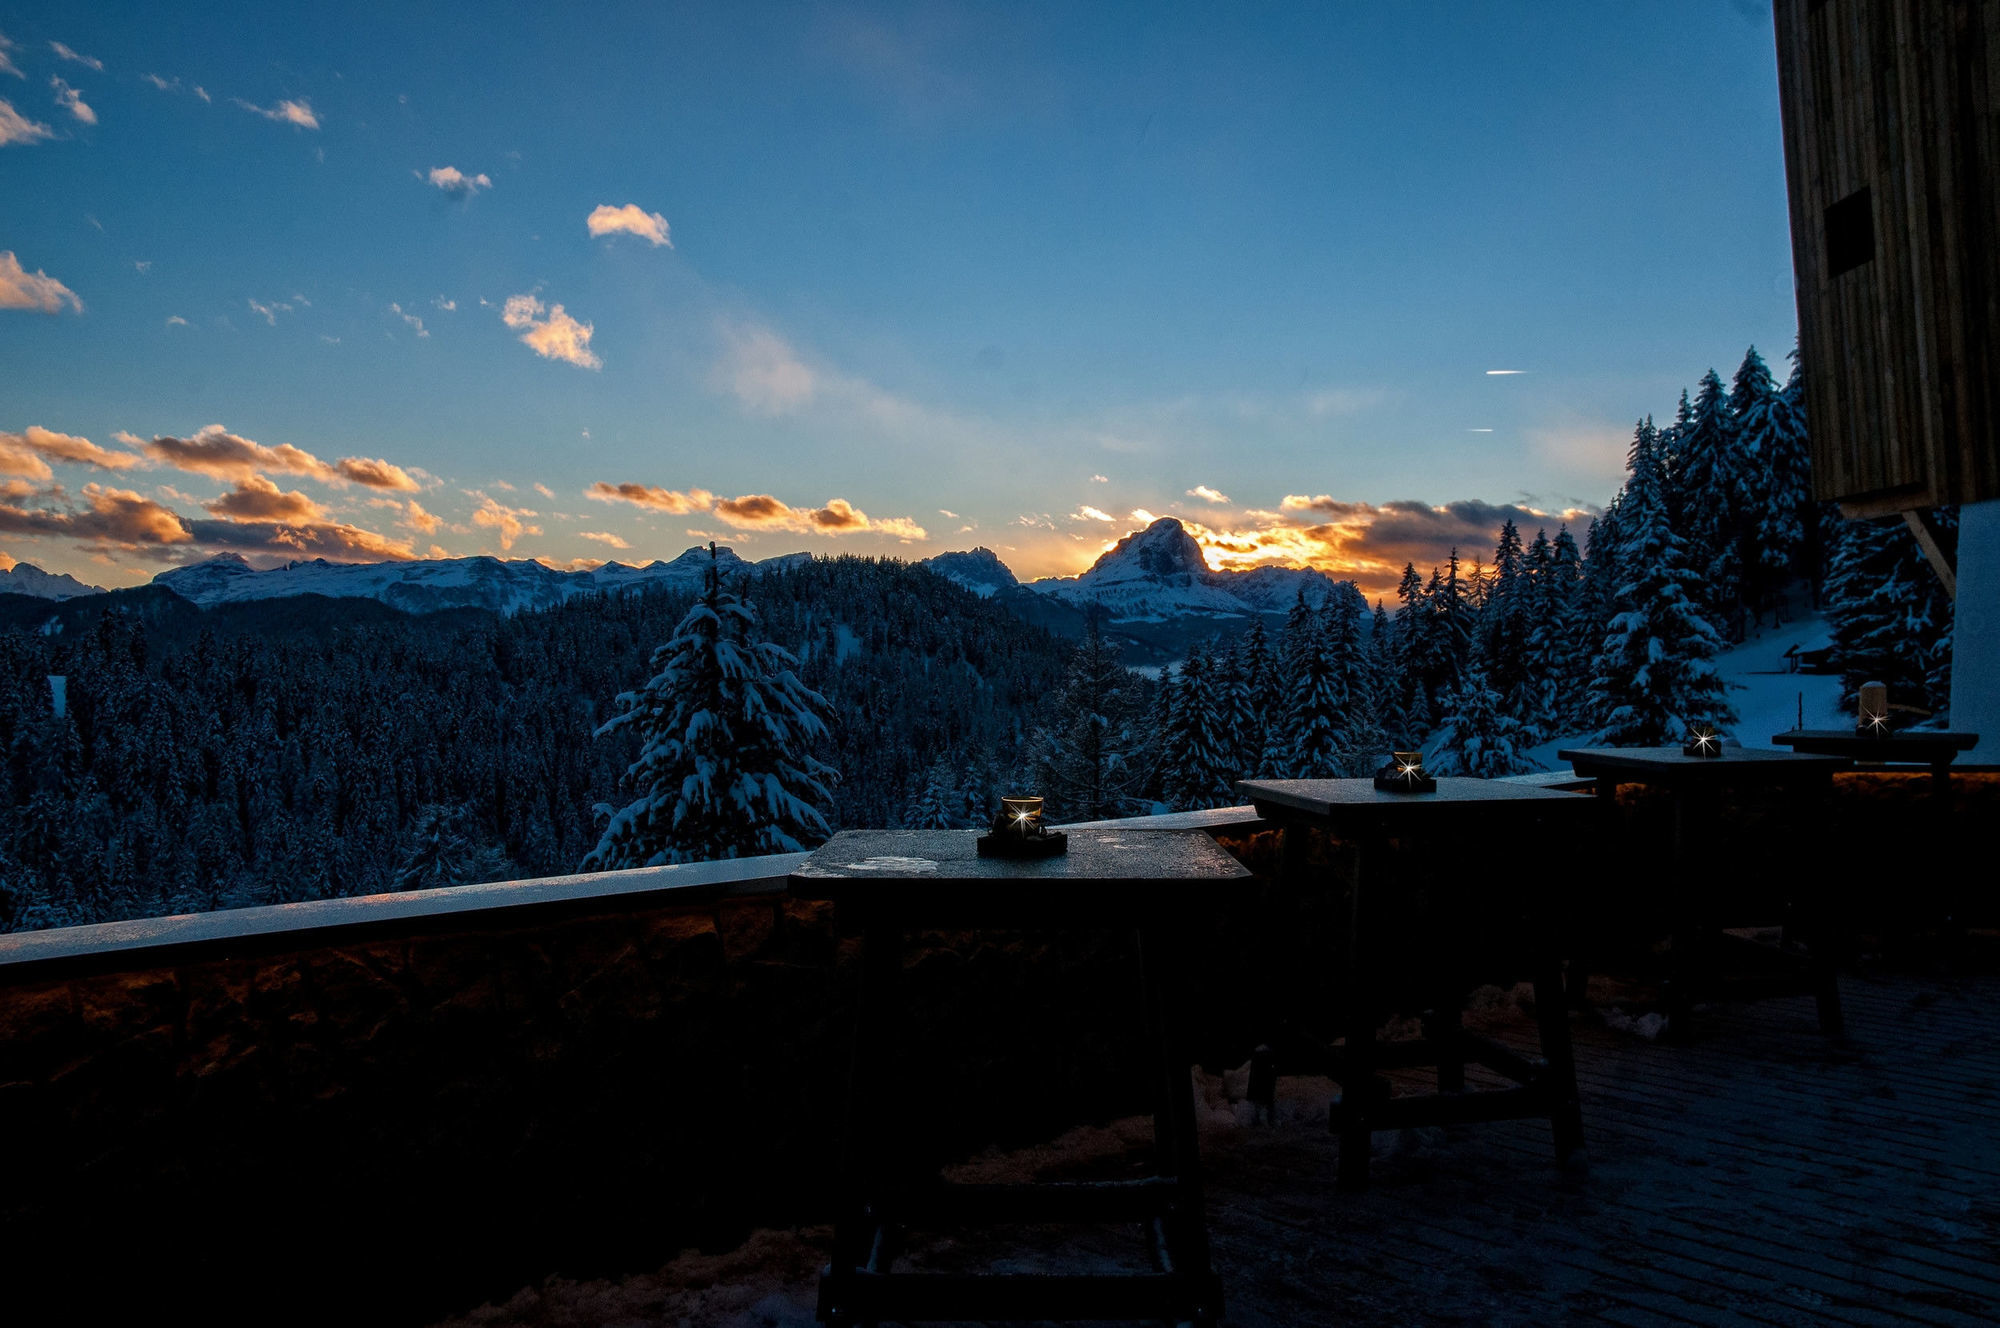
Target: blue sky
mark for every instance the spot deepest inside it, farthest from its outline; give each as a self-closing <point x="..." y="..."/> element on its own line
<point x="920" y="260"/>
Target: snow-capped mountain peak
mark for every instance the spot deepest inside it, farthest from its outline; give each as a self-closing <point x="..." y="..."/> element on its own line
<point x="1163" y="549"/>
<point x="28" y="579"/>
<point x="978" y="570"/>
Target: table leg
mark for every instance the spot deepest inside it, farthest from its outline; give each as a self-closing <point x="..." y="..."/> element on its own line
<point x="1552" y="1018"/>
<point x="858" y="1226"/>
<point x="1827" y="937"/>
<point x="1577" y="979"/>
<point x="1686" y="920"/>
<point x="1163" y="964"/>
<point x="1358" y="1089"/>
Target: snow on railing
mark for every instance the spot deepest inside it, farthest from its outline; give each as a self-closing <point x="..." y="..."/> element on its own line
<point x="110" y="946"/>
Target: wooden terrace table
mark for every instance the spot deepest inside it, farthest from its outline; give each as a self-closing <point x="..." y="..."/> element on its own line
<point x="1356" y="812"/>
<point x="1934" y="748"/>
<point x="889" y="881"/>
<point x="1695" y="784"/>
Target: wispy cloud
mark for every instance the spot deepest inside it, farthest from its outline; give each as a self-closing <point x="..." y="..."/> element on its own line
<point x="175" y="320"/>
<point x="550" y="332"/>
<point x="76" y="57"/>
<point x="1207" y="494"/>
<point x="1504" y="373"/>
<point x="37" y="290"/>
<point x="411" y="319"/>
<point x="17" y="128"/>
<point x="630" y="219"/>
<point x="7" y="65"/>
<point x="454" y="181"/>
<point x="298" y="113"/>
<point x="72" y="101"/>
<point x="1089" y="513"/>
<point x="763" y="372"/>
<point x="269" y="312"/>
<point x="604" y="537"/>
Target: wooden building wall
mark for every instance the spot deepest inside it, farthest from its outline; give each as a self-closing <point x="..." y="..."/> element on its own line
<point x="1892" y="153"/>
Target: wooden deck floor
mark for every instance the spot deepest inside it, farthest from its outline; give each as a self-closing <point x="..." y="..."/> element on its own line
<point x="1764" y="1175"/>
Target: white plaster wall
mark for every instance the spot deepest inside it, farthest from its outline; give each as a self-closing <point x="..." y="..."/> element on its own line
<point x="1975" y="665"/>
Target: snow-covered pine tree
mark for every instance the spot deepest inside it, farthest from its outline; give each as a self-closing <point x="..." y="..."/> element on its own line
<point x="1504" y="619"/>
<point x="1452" y="622"/>
<point x="1785" y="519"/>
<point x="1892" y="621"/>
<point x="939" y="804"/>
<point x="726" y="731"/>
<point x="1656" y="669"/>
<point x="1386" y="669"/>
<point x="1411" y="650"/>
<point x="1360" y="741"/>
<point x="1712" y="481"/>
<point x="1196" y="751"/>
<point x="1562" y="646"/>
<point x="1315" y="729"/>
<point x="445" y="851"/>
<point x="1532" y="697"/>
<point x="1478" y="737"/>
<point x="1257" y="667"/>
<point x="1756" y="412"/>
<point x="1090" y="747"/>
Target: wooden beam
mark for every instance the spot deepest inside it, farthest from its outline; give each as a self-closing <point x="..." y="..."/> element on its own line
<point x="1931" y="540"/>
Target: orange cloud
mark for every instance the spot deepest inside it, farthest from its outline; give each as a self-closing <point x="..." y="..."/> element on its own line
<point x="217" y="452"/>
<point x="760" y="511"/>
<point x="505" y="520"/>
<point x="19" y="288"/>
<point x="258" y="499"/>
<point x="550" y="332"/>
<point x="642" y="495"/>
<point x="28" y="453"/>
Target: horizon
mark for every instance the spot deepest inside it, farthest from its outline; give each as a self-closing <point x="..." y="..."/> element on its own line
<point x="1334" y="290"/>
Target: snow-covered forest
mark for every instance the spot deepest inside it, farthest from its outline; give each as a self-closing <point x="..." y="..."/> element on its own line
<point x="207" y="759"/>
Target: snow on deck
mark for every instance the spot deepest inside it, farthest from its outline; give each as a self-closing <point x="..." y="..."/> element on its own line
<point x="1764" y="1175"/>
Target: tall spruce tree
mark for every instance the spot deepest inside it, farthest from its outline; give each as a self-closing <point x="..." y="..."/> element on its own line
<point x="726" y="766"/>
<point x="1656" y="669"/>
<point x="1090" y="750"/>
<point x="1315" y="726"/>
<point x="1711" y="486"/>
<point x="1257" y="667"/>
<point x="1754" y="408"/>
<point x="1196" y="751"/>
<point x="1360" y="741"/>
<point x="1785" y="518"/>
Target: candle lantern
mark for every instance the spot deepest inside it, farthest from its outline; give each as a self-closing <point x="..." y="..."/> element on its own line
<point x="1405" y="774"/>
<point x="1019" y="832"/>
<point x="1871" y="718"/>
<point x="1702" y="740"/>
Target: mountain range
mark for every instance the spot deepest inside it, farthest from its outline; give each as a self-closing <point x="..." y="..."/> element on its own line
<point x="1154" y="588"/>
<point x="28" y="579"/>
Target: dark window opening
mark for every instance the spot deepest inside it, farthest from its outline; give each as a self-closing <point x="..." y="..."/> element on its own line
<point x="1850" y="233"/>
